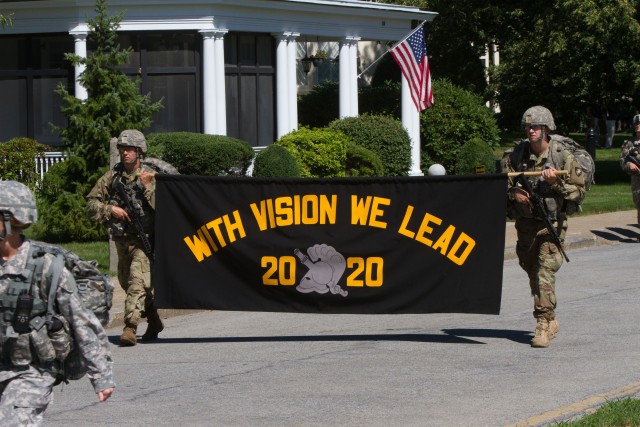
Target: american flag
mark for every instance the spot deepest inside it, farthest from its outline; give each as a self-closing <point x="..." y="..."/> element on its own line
<point x="411" y="56"/>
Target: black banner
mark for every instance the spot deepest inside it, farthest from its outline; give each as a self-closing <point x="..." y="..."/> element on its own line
<point x="356" y="245"/>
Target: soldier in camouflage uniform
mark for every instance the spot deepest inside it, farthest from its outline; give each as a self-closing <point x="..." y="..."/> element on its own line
<point x="632" y="148"/>
<point x="537" y="252"/>
<point x="30" y="360"/>
<point x="105" y="204"/>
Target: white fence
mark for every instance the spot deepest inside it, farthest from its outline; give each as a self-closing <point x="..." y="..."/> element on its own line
<point x="43" y="163"/>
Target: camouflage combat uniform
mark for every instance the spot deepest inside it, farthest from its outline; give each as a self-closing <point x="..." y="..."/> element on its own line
<point x="632" y="147"/>
<point x="26" y="389"/>
<point x="538" y="255"/>
<point x="134" y="271"/>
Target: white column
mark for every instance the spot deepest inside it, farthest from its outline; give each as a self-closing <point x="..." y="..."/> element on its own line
<point x="221" y="92"/>
<point x="80" y="49"/>
<point x="411" y="121"/>
<point x="213" y="82"/>
<point x="282" y="88"/>
<point x="292" y="51"/>
<point x="210" y="124"/>
<point x="349" y="77"/>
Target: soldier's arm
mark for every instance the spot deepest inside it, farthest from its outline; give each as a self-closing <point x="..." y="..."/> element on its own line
<point x="570" y="186"/>
<point x="625" y="164"/>
<point x="98" y="198"/>
<point x="88" y="334"/>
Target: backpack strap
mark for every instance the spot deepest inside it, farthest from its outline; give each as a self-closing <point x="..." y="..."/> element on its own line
<point x="58" y="266"/>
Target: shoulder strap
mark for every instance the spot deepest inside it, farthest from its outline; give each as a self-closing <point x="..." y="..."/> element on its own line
<point x="58" y="266"/>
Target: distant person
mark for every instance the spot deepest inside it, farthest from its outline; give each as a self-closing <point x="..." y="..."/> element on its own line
<point x="106" y="203"/>
<point x="34" y="344"/>
<point x="610" y="117"/>
<point x="538" y="253"/>
<point x="630" y="161"/>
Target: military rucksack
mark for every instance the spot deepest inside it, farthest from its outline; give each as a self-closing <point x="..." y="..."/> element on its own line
<point x="581" y="155"/>
<point x="95" y="292"/>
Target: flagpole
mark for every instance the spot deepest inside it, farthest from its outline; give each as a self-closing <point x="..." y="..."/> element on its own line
<point x="389" y="49"/>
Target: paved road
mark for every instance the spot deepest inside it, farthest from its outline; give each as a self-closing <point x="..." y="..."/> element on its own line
<point x="272" y="369"/>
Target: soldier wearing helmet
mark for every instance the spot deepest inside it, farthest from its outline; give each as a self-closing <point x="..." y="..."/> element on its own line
<point x="28" y="370"/>
<point x="630" y="161"/>
<point x="125" y="214"/>
<point x="537" y="251"/>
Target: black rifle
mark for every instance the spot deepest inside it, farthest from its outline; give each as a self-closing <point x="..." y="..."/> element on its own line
<point x="131" y="211"/>
<point x="631" y="158"/>
<point x="542" y="212"/>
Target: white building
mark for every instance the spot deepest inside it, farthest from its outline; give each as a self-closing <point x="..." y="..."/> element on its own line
<point x="228" y="67"/>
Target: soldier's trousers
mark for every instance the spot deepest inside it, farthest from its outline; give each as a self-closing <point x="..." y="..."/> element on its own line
<point x="540" y="258"/>
<point x="134" y="275"/>
<point x="25" y="397"/>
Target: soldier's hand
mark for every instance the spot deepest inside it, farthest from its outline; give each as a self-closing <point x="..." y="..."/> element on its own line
<point x="521" y="196"/>
<point x="118" y="213"/>
<point x="146" y="178"/>
<point x="549" y="175"/>
<point x="633" y="168"/>
<point x="105" y="394"/>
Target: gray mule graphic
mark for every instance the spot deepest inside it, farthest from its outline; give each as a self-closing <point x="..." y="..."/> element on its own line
<point x="326" y="267"/>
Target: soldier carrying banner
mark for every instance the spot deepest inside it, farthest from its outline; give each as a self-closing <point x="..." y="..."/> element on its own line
<point x="538" y="252"/>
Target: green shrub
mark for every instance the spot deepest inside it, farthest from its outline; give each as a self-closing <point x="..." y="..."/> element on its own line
<point x="362" y="162"/>
<point x="473" y="154"/>
<point x="457" y="116"/>
<point x="383" y="99"/>
<point x="62" y="213"/>
<point x="320" y="153"/>
<point x="275" y="161"/>
<point x="200" y="154"/>
<point x="17" y="160"/>
<point x="383" y="135"/>
<point x="319" y="107"/>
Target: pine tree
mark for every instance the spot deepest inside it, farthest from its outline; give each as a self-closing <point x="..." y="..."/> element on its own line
<point x="114" y="104"/>
<point x="114" y="101"/>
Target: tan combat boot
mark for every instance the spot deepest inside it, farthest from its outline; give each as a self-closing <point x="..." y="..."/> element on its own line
<point x="155" y="326"/>
<point x="541" y="337"/>
<point x="128" y="337"/>
<point x="554" y="328"/>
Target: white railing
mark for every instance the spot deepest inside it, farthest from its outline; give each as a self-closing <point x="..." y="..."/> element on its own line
<point x="43" y="163"/>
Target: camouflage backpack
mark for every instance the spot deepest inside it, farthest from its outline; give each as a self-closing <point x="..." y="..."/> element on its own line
<point x="94" y="289"/>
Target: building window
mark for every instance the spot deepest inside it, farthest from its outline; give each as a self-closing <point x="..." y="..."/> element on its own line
<point x="31" y="68"/>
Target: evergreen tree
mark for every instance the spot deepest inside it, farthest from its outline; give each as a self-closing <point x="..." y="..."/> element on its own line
<point x="114" y="104"/>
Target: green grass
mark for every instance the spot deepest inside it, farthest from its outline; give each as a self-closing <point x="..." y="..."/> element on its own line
<point x="622" y="413"/>
<point x="91" y="250"/>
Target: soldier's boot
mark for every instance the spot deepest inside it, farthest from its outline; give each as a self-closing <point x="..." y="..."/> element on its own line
<point x="155" y="326"/>
<point x="128" y="337"/>
<point x="554" y="328"/>
<point x="541" y="337"/>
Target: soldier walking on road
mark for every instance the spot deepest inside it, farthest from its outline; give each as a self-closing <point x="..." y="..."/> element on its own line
<point x="630" y="152"/>
<point x="36" y="333"/>
<point x="107" y="202"/>
<point x="538" y="253"/>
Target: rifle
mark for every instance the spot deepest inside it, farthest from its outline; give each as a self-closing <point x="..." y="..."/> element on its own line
<point x="131" y="210"/>
<point x="539" y="207"/>
<point x="631" y="158"/>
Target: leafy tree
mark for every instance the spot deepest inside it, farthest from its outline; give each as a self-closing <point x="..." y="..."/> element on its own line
<point x="6" y="20"/>
<point x="114" y="104"/>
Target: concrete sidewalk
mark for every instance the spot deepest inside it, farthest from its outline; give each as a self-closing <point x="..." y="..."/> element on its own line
<point x="583" y="231"/>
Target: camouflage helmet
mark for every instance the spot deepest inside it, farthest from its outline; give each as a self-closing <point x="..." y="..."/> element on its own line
<point x="636" y="119"/>
<point x="538" y="115"/>
<point x="132" y="138"/>
<point x="17" y="199"/>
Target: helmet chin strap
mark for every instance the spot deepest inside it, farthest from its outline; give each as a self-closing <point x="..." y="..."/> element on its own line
<point x="6" y="219"/>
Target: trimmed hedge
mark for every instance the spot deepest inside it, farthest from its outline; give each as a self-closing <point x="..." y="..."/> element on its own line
<point x="362" y="162"/>
<point x="473" y="154"/>
<point x="320" y="153"/>
<point x="383" y="135"/>
<point x="200" y="154"/>
<point x="275" y="161"/>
